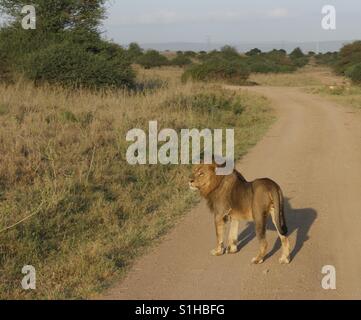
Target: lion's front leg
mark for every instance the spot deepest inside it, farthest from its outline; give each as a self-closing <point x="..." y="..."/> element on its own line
<point x="220" y="226"/>
<point x="233" y="237"/>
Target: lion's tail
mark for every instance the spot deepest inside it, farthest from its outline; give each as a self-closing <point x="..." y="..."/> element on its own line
<point x="279" y="214"/>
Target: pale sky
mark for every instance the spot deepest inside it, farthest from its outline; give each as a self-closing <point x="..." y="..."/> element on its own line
<point x="147" y="21"/>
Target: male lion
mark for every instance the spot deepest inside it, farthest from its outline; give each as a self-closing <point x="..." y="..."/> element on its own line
<point x="232" y="197"/>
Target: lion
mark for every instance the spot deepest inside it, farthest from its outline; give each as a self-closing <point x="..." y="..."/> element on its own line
<point x="233" y="198"/>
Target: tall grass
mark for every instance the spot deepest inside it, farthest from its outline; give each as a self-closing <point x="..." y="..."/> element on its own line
<point x="62" y="160"/>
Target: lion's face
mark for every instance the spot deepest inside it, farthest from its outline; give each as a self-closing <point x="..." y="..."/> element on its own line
<point x="204" y="178"/>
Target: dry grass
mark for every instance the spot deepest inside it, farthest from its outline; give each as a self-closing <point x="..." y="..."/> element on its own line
<point x="317" y="80"/>
<point x="301" y="78"/>
<point x="344" y="94"/>
<point x="169" y="76"/>
<point x="63" y="158"/>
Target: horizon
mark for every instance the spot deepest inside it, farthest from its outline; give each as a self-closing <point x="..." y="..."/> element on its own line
<point x="265" y="46"/>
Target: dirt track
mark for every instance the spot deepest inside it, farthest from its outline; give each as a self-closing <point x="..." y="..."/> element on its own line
<point x="314" y="152"/>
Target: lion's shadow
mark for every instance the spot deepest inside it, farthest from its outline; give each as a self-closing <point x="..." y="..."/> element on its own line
<point x="298" y="220"/>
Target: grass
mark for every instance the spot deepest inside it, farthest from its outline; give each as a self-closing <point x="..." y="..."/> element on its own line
<point x="344" y="94"/>
<point x="63" y="160"/>
<point x="316" y="80"/>
<point x="300" y="78"/>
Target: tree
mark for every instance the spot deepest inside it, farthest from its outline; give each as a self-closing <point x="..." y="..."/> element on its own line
<point x="66" y="48"/>
<point x="349" y="55"/>
<point x="296" y="53"/>
<point x="181" y="60"/>
<point x="354" y="73"/>
<point x="254" y="52"/>
<point x="59" y="15"/>
<point x="134" y="51"/>
<point x="152" y="59"/>
<point x="229" y="52"/>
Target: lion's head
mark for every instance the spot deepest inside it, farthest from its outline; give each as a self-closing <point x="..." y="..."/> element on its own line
<point x="204" y="178"/>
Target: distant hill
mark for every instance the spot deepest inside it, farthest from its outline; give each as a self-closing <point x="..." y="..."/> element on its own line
<point x="323" y="46"/>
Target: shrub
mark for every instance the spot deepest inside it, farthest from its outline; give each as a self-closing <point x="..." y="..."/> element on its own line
<point x="349" y="55"/>
<point x="329" y="58"/>
<point x="134" y="51"/>
<point x="152" y="59"/>
<point x="71" y="65"/>
<point x="181" y="60"/>
<point x="299" y="59"/>
<point x="232" y="71"/>
<point x="229" y="52"/>
<point x="301" y="62"/>
<point x="354" y="73"/>
<point x="254" y="52"/>
<point x="190" y="54"/>
<point x="296" y="53"/>
<point x="275" y="61"/>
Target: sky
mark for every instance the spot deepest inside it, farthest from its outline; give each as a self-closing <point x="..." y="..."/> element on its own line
<point x="232" y="21"/>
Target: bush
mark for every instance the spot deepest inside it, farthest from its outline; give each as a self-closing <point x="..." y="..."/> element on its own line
<point x="349" y="55"/>
<point x="301" y="62"/>
<point x="229" y="52"/>
<point x="275" y="61"/>
<point x="232" y="71"/>
<point x="329" y="58"/>
<point x="354" y="73"/>
<point x="134" y="51"/>
<point x="190" y="54"/>
<point x="253" y="52"/>
<point x="181" y="60"/>
<point x="296" y="54"/>
<point x="72" y="65"/>
<point x="299" y="59"/>
<point x="152" y="59"/>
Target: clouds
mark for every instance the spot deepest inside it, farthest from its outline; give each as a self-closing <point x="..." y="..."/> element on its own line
<point x="157" y="17"/>
<point x="165" y="17"/>
<point x="171" y="17"/>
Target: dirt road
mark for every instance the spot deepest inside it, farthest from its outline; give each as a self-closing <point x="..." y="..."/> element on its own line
<point x="314" y="152"/>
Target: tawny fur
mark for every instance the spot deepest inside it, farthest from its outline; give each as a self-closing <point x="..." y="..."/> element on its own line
<point x="232" y="198"/>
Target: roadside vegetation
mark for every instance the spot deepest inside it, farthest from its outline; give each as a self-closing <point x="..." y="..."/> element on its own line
<point x="347" y="62"/>
<point x="67" y="99"/>
<point x="233" y="68"/>
<point x="63" y="160"/>
<point x="345" y="94"/>
<point x="346" y="66"/>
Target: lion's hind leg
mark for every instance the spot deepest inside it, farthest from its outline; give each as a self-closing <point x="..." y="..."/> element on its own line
<point x="285" y="257"/>
<point x="260" y="223"/>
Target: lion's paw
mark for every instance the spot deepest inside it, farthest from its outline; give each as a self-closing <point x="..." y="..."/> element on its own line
<point x="232" y="249"/>
<point x="217" y="252"/>
<point x="257" y="260"/>
<point x="284" y="260"/>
